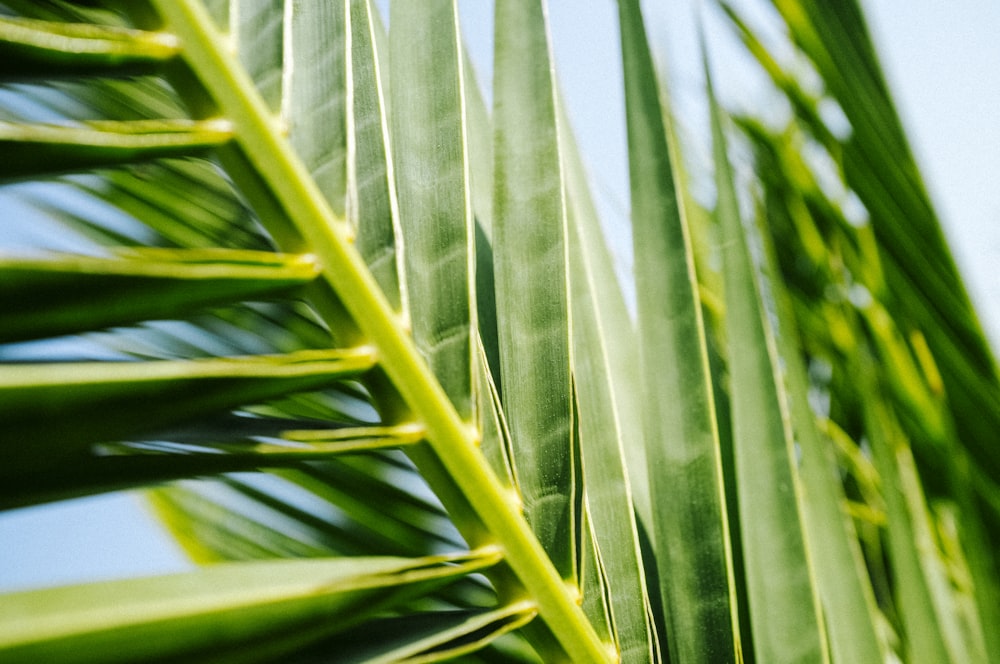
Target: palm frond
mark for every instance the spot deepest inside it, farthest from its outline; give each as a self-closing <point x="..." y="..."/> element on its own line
<point x="361" y="339"/>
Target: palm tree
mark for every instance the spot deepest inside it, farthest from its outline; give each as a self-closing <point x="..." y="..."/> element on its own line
<point x="362" y="340"/>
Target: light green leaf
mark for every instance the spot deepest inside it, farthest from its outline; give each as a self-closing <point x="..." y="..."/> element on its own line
<point x="429" y="145"/>
<point x="314" y="103"/>
<point x="494" y="432"/>
<point x="219" y="10"/>
<point x="529" y="242"/>
<point x="479" y="134"/>
<point x="785" y="613"/>
<point x="594" y="581"/>
<point x="372" y="188"/>
<point x="257" y="32"/>
<point x="257" y="610"/>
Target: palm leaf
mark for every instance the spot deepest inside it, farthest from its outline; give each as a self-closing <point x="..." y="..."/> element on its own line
<point x="290" y="271"/>
<point x="604" y="397"/>
<point x="220" y="610"/>
<point x="930" y="348"/>
<point x="435" y="209"/>
<point x="782" y="595"/>
<point x="681" y="440"/>
<point x="259" y="143"/>
<point x="529" y="237"/>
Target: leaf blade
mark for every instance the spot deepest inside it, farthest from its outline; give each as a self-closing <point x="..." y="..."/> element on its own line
<point x="429" y="138"/>
<point x="530" y="268"/>
<point x="784" y="607"/>
<point x="57" y="295"/>
<point x="228" y="605"/>
<point x="690" y="526"/>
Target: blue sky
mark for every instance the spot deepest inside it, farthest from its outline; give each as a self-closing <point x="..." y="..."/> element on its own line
<point x="941" y="59"/>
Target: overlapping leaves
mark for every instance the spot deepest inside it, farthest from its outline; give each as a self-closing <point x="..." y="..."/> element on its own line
<point x="310" y="265"/>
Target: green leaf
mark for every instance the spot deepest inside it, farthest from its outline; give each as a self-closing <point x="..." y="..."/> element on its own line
<point x="133" y="465"/>
<point x="260" y="161"/>
<point x="374" y="207"/>
<point x="315" y="103"/>
<point x="354" y="487"/>
<point x="601" y="333"/>
<point x="258" y="38"/>
<point x="371" y="504"/>
<point x="690" y="527"/>
<point x="425" y="638"/>
<point x="848" y="600"/>
<point x="920" y="597"/>
<point x="785" y="611"/>
<point x="494" y="432"/>
<point x="56" y="411"/>
<point x="31" y="47"/>
<point x="186" y="203"/>
<point x="593" y="581"/>
<point x="258" y="610"/>
<point x="40" y="149"/>
<point x="57" y="295"/>
<point x="435" y="211"/>
<point x="922" y="287"/>
<point x="529" y="241"/>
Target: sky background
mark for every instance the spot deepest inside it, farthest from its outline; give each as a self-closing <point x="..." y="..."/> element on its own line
<point x="941" y="59"/>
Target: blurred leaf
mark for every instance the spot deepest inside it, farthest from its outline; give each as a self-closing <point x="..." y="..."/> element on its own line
<point x="850" y="611"/>
<point x="32" y="47"/>
<point x="140" y="464"/>
<point x="425" y="638"/>
<point x="785" y="611"/>
<point x="921" y="587"/>
<point x="56" y="411"/>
